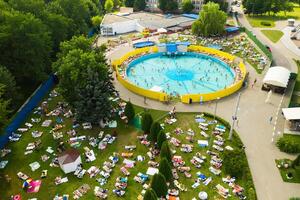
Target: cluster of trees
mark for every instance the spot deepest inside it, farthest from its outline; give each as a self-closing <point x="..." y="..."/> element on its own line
<point x="85" y="80"/>
<point x="136" y="4"/>
<point x="222" y="3"/>
<point x="168" y="5"/>
<point x="31" y="32"/>
<point x="211" y="20"/>
<point x="267" y="6"/>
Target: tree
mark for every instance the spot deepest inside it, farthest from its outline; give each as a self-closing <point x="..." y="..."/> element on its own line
<point x="163" y="5"/>
<point x="139" y="5"/>
<point x="165" y="151"/>
<point x="159" y="185"/>
<point x="129" y="111"/>
<point x="165" y="169"/>
<point x="108" y="6"/>
<point x="96" y="21"/>
<point x="222" y="3"/>
<point x="25" y="47"/>
<point x="161" y="137"/>
<point x="172" y="5"/>
<point x="234" y="162"/>
<point x="93" y="102"/>
<point x="146" y="122"/>
<point x="211" y="20"/>
<point x="154" y="130"/>
<point x="3" y="107"/>
<point x="150" y="195"/>
<point x="187" y="6"/>
<point x="129" y="3"/>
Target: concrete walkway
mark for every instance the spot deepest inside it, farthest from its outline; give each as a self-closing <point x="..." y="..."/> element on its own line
<point x="287" y="41"/>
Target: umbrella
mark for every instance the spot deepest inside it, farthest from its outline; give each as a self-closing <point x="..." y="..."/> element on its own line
<point x="203" y="195"/>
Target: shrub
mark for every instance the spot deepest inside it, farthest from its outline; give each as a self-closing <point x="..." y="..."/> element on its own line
<point x="146" y="122"/>
<point x="251" y="194"/>
<point x="165" y="151"/>
<point x="165" y="169"/>
<point x="234" y="163"/>
<point x="288" y="145"/>
<point x="264" y="23"/>
<point x="161" y="138"/>
<point x="129" y="111"/>
<point x="159" y="185"/>
<point x="154" y="130"/>
<point x="150" y="195"/>
<point x="296" y="162"/>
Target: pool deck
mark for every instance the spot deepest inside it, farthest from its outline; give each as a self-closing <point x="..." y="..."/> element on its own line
<point x="253" y="127"/>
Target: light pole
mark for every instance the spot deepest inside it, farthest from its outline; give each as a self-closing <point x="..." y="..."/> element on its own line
<point x="234" y="117"/>
<point x="216" y="106"/>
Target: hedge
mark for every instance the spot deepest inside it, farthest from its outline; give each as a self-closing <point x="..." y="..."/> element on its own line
<point x="289" y="144"/>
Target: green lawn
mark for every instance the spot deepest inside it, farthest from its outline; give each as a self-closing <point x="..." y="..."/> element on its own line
<point x="285" y="171"/>
<point x="125" y="136"/>
<point x="255" y="21"/>
<point x="273" y="35"/>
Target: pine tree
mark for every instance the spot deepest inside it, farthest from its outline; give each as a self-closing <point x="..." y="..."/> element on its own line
<point x="161" y="138"/>
<point x="146" y="122"/>
<point x="165" y="151"/>
<point x="150" y="195"/>
<point x="159" y="185"/>
<point x="129" y="111"/>
<point x="154" y="130"/>
<point x="165" y="169"/>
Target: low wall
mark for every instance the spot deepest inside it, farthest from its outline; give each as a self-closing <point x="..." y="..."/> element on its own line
<point x="160" y="96"/>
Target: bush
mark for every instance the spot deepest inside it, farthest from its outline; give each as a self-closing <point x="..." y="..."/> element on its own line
<point x="288" y="144"/>
<point x="264" y="23"/>
<point x="146" y="122"/>
<point x="296" y="162"/>
<point x="154" y="130"/>
<point x="165" y="151"/>
<point x="161" y="138"/>
<point x="129" y="111"/>
<point x="234" y="163"/>
<point x="150" y="195"/>
<point x="251" y="194"/>
<point x="159" y="185"/>
<point x="165" y="169"/>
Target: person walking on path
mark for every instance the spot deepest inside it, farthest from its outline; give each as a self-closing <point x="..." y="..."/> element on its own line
<point x="270" y="120"/>
<point x="255" y="80"/>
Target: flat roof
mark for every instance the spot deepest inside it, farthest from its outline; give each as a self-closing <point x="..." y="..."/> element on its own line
<point x="291" y="113"/>
<point x="148" y="20"/>
<point x="277" y="76"/>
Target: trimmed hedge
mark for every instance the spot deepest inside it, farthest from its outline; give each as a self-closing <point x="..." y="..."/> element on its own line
<point x="264" y="23"/>
<point x="289" y="144"/>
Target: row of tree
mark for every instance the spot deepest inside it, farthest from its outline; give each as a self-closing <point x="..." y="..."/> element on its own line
<point x="267" y="6"/>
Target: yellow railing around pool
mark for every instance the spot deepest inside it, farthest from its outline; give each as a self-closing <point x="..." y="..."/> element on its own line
<point x="187" y="98"/>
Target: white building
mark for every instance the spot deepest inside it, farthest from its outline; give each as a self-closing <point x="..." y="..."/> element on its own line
<point x="69" y="160"/>
<point x="114" y="24"/>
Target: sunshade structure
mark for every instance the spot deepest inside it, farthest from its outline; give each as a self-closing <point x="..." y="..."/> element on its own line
<point x="291" y="113"/>
<point x="277" y="76"/>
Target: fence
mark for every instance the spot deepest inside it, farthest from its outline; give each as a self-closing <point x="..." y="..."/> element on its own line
<point x="26" y="109"/>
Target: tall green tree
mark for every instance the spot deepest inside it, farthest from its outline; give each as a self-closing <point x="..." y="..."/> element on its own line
<point x="222" y="3"/>
<point x="211" y="20"/>
<point x="129" y="111"/>
<point x="11" y="90"/>
<point x="234" y="163"/>
<point x="129" y="3"/>
<point x="163" y="5"/>
<point x="187" y="6"/>
<point x="146" y="122"/>
<point x="165" y="169"/>
<point x="159" y="185"/>
<point x="154" y="130"/>
<point x="4" y="103"/>
<point x="109" y="4"/>
<point x="161" y="137"/>
<point x="150" y="195"/>
<point x="139" y="5"/>
<point x="165" y="151"/>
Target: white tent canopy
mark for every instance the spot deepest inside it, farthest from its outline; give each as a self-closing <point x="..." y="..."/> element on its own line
<point x="277" y="76"/>
<point x="291" y="113"/>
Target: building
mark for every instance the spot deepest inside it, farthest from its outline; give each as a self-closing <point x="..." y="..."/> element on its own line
<point x="69" y="160"/>
<point x="114" y="24"/>
<point x="292" y="117"/>
<point x="276" y="79"/>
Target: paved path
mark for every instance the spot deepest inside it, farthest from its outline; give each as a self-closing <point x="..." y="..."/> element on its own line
<point x="286" y="41"/>
<point x="254" y="128"/>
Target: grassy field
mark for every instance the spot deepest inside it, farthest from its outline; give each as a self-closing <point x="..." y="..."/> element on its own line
<point x="125" y="136"/>
<point x="273" y="35"/>
<point x="284" y="172"/>
<point x="255" y="21"/>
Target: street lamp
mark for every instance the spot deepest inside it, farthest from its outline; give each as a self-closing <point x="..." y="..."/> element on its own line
<point x="234" y="117"/>
<point x="216" y="106"/>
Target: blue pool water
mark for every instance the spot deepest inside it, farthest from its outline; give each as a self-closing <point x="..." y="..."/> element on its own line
<point x="191" y="73"/>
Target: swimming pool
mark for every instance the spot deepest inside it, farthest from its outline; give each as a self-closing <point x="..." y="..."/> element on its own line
<point x="191" y="73"/>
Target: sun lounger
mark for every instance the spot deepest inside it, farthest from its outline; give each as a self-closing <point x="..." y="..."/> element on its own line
<point x="218" y="148"/>
<point x="204" y="134"/>
<point x="207" y="181"/>
<point x="22" y="176"/>
<point x="214" y="171"/>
